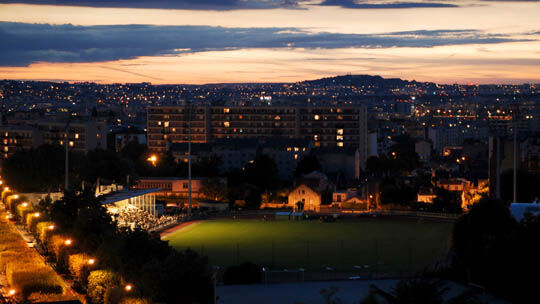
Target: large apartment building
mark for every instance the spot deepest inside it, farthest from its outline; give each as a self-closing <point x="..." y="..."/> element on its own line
<point x="16" y="138"/>
<point x="326" y="126"/>
<point x="83" y="136"/>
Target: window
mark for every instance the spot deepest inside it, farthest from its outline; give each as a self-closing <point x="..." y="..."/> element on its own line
<point x="226" y="110"/>
<point x="317" y="117"/>
<point x="340" y="131"/>
<point x="226" y="124"/>
<point x="185" y="185"/>
<point x="166" y="124"/>
<point x="76" y="135"/>
<point x="340" y="144"/>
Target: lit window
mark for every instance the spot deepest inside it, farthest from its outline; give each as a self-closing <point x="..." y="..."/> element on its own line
<point x="61" y="143"/>
<point x="340" y="131"/>
<point x="296" y="156"/>
<point x="226" y="110"/>
<point x="174" y="129"/>
<point x="6" y="134"/>
<point x="166" y="124"/>
<point x="226" y="124"/>
<point x="289" y="149"/>
<point x="76" y="135"/>
<point x="339" y="137"/>
<point x="315" y="137"/>
<point x="240" y="117"/>
<point x="340" y="117"/>
<point x="340" y="144"/>
<point x="159" y="123"/>
<point x="6" y="149"/>
<point x="71" y="144"/>
<point x="317" y="117"/>
<point x="296" y="149"/>
<point x="277" y="117"/>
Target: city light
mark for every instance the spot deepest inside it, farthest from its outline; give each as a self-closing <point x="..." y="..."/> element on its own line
<point x="25" y="204"/>
<point x="128" y="287"/>
<point x="16" y="196"/>
<point x="6" y="189"/>
<point x="91" y="262"/>
<point x="1" y="182"/>
<point x="153" y="159"/>
<point x="67" y="242"/>
<point x="51" y="227"/>
<point x="12" y="292"/>
<point x="36" y="214"/>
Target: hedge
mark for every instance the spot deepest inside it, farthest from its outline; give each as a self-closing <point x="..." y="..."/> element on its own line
<point x="32" y="220"/>
<point x="34" y="279"/>
<point x="99" y="281"/>
<point x="79" y="267"/>
<point x="43" y="231"/>
<point x="60" y="249"/>
<point x="22" y="211"/>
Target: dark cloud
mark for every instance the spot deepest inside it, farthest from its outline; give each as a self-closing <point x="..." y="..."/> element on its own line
<point x="170" y="4"/>
<point x="359" y="4"/>
<point x="24" y="43"/>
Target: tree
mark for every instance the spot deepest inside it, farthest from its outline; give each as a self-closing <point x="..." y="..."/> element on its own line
<point x="214" y="189"/>
<point x="307" y="165"/>
<point x="527" y="186"/>
<point x="483" y="243"/>
<point x="417" y="290"/>
<point x="262" y="173"/>
<point x="446" y="201"/>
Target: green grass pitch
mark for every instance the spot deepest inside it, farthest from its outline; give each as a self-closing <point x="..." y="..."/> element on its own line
<point x="389" y="245"/>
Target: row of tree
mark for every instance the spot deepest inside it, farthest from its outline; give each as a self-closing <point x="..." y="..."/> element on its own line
<point x="157" y="271"/>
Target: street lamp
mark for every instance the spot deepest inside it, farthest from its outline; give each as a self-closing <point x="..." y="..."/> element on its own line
<point x="12" y="292"/>
<point x="128" y="287"/>
<point x="51" y="227"/>
<point x="68" y="242"/>
<point x="16" y="196"/>
<point x="153" y="159"/>
<point x="91" y="262"/>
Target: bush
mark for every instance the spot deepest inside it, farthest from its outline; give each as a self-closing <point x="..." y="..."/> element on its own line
<point x="245" y="273"/>
<point x="99" y="281"/>
<point x="135" y="301"/>
<point x="43" y="231"/>
<point x="34" y="279"/>
<point x="22" y="211"/>
<point x="17" y="258"/>
<point x="79" y="267"/>
<point x="32" y="220"/>
<point x="60" y="249"/>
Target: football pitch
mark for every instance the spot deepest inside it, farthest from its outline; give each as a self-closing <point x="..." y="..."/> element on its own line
<point x="387" y="245"/>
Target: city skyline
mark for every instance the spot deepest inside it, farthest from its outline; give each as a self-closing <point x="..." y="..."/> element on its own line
<point x="166" y="42"/>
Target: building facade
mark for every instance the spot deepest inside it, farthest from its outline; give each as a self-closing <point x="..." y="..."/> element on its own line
<point x="16" y="138"/>
<point x="326" y="126"/>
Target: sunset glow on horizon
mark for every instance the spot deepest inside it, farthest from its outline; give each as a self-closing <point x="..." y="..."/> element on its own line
<point x="458" y="42"/>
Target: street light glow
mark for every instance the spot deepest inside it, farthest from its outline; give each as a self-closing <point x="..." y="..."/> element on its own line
<point x="129" y="287"/>
<point x="91" y="261"/>
<point x="12" y="292"/>
<point x="51" y="227"/>
<point x="67" y="242"/>
<point x="36" y="214"/>
<point x="16" y="196"/>
<point x="153" y="159"/>
<point x="6" y="189"/>
<point x="25" y="204"/>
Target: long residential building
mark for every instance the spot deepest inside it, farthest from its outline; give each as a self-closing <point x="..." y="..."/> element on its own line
<point x="326" y="126"/>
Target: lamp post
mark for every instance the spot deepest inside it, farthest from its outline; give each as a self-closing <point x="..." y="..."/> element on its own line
<point x="189" y="161"/>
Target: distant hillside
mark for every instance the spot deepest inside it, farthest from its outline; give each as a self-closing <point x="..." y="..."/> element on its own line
<point x="358" y="80"/>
